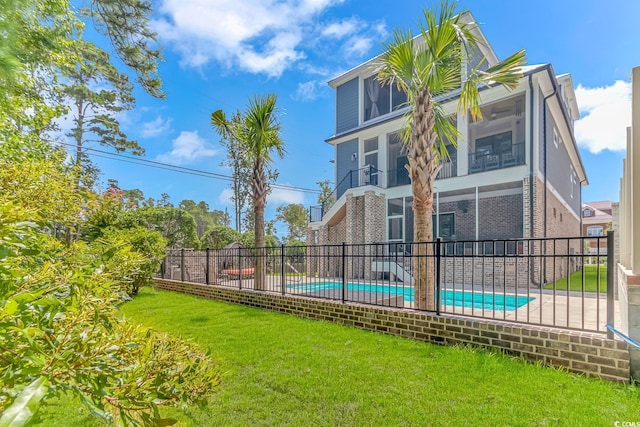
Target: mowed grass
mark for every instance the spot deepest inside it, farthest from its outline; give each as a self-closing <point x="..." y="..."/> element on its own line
<point x="282" y="370"/>
<point x="590" y="280"/>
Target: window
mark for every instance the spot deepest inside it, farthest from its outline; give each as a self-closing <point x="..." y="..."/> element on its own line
<point x="371" y="160"/>
<point x="446" y="223"/>
<point x="572" y="180"/>
<point x="595" y="230"/>
<point x="587" y="212"/>
<point x="400" y="219"/>
<point x="494" y="144"/>
<point x="371" y="145"/>
<point x="380" y="100"/>
<point x="394" y="207"/>
<point x="395" y="212"/>
<point x="395" y="228"/>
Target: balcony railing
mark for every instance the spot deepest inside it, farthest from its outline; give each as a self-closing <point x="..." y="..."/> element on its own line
<point x="367" y="175"/>
<point x="483" y="161"/>
<point x="398" y="177"/>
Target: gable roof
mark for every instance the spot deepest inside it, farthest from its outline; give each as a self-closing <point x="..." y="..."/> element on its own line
<point x="601" y="211"/>
<point x="368" y="66"/>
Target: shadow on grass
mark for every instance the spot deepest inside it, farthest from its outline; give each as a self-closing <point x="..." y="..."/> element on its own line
<point x="199" y="319"/>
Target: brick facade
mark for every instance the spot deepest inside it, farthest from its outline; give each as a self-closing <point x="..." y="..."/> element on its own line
<point x="364" y="222"/>
<point x="560" y="221"/>
<point x="585" y="353"/>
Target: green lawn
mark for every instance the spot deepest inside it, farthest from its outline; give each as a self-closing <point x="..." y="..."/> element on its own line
<point x="282" y="370"/>
<point x="590" y="280"/>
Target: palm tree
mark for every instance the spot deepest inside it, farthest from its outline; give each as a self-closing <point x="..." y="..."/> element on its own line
<point x="425" y="68"/>
<point x="257" y="131"/>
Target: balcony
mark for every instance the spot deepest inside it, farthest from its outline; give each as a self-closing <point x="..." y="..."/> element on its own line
<point x="398" y="177"/>
<point x="482" y="161"/>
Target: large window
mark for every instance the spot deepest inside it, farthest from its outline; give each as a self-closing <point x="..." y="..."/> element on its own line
<point x="595" y="230"/>
<point x="380" y="100"/>
<point x="400" y="219"/>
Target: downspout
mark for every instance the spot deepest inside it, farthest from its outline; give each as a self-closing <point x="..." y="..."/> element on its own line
<point x="546" y="146"/>
<point x="532" y="273"/>
<point x="544" y="133"/>
<point x="531" y="156"/>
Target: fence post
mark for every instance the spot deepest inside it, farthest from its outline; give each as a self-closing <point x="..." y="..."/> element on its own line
<point x="438" y="259"/>
<point x="206" y="271"/>
<point x="610" y="273"/>
<point x="182" y="265"/>
<point x="344" y="273"/>
<point x="240" y="270"/>
<point x="283" y="281"/>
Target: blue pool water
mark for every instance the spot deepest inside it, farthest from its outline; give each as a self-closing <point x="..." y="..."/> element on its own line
<point x="478" y="300"/>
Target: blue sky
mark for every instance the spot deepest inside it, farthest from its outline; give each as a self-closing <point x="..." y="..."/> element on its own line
<point x="219" y="53"/>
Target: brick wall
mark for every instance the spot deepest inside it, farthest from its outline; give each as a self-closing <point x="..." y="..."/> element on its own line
<point x="500" y="217"/>
<point x="560" y="222"/>
<point x="589" y="354"/>
<point x="494" y="271"/>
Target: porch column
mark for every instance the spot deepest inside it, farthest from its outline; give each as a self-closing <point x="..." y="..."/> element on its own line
<point x="463" y="144"/>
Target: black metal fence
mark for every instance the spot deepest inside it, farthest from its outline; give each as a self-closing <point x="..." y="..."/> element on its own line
<point x="554" y="282"/>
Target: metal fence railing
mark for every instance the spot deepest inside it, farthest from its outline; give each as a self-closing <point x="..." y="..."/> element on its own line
<point x="551" y="281"/>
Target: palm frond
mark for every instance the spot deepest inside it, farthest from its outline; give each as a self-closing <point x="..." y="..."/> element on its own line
<point x="396" y="64"/>
<point x="446" y="130"/>
<point x="507" y="72"/>
<point x="469" y="99"/>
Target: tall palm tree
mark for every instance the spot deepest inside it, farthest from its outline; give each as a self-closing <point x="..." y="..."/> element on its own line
<point x="257" y="130"/>
<point x="424" y="68"/>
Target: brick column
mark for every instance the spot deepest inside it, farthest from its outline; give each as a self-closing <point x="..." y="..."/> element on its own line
<point x="374" y="226"/>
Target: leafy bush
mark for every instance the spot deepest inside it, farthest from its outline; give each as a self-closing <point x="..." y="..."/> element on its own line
<point x="136" y="255"/>
<point x="60" y="331"/>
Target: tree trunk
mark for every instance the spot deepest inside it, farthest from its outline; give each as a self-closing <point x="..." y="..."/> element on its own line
<point x="423" y="169"/>
<point x="260" y="190"/>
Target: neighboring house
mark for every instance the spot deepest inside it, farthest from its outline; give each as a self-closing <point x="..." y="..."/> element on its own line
<point x="516" y="173"/>
<point x="597" y="219"/>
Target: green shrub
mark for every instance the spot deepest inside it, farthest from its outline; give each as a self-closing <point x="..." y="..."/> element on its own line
<point x="61" y="332"/>
<point x="136" y="255"/>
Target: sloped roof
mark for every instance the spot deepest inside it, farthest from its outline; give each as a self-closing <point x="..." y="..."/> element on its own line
<point x="601" y="211"/>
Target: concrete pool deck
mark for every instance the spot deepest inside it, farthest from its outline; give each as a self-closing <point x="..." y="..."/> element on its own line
<point x="564" y="310"/>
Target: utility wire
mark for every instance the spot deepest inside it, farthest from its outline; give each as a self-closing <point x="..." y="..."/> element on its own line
<point x="181" y="169"/>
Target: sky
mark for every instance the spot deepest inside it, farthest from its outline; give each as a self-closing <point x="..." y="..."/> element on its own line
<point x="219" y="53"/>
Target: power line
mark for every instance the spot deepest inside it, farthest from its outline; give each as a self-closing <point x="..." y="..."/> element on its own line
<point x="159" y="167"/>
<point x="181" y="169"/>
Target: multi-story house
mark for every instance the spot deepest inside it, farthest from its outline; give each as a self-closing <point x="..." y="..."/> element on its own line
<point x="596" y="221"/>
<point x="516" y="173"/>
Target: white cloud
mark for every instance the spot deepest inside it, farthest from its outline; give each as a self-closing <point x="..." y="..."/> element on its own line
<point x="225" y="197"/>
<point x="186" y="148"/>
<point x="342" y="29"/>
<point x="265" y="37"/>
<point x="606" y="114"/>
<point x="280" y="196"/>
<point x="155" y="127"/>
<point x="358" y="45"/>
<point x="308" y="91"/>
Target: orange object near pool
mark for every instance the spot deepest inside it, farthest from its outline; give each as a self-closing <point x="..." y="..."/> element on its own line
<point x="236" y="272"/>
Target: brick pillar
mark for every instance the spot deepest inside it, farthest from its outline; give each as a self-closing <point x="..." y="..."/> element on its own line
<point x="351" y="234"/>
<point x="374" y="227"/>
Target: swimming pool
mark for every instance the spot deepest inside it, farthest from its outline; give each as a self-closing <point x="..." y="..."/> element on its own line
<point x="467" y="299"/>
